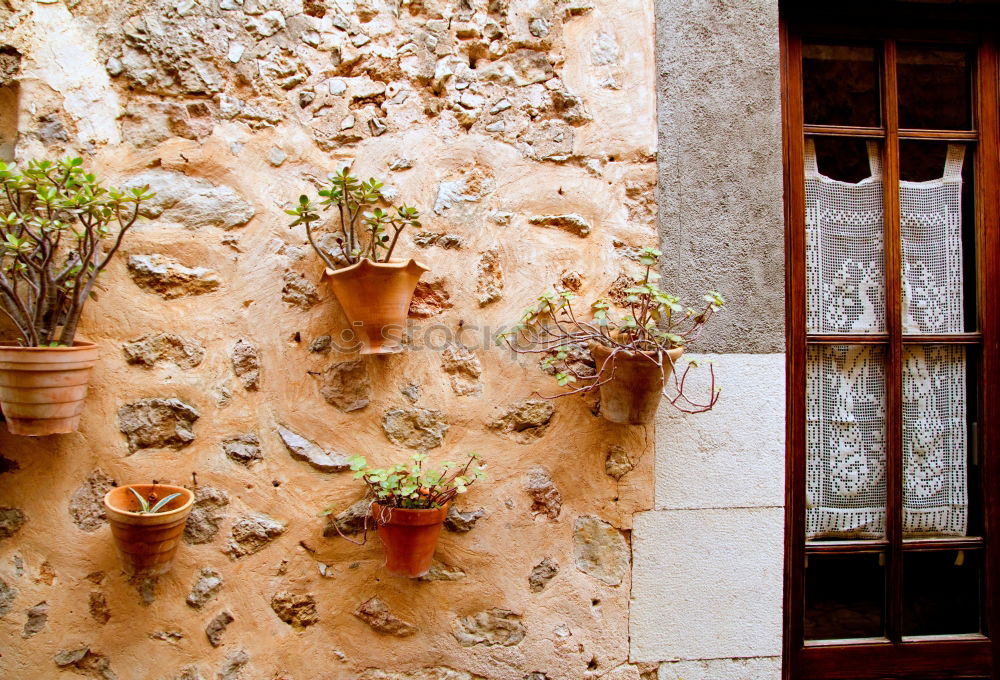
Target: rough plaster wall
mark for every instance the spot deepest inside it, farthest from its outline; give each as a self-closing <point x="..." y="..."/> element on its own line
<point x="708" y="561"/>
<point x="483" y="114"/>
<point x="720" y="170"/>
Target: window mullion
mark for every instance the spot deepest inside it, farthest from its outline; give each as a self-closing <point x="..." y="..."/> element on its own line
<point x="894" y="357"/>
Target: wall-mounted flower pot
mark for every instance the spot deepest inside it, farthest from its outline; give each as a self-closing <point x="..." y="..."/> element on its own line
<point x="633" y="395"/>
<point x="376" y="297"/>
<point x="42" y="389"/>
<point x="409" y="537"/>
<point x="147" y="543"/>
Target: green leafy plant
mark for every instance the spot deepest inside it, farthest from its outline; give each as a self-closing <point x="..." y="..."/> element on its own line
<point x="650" y="323"/>
<point x="371" y="235"/>
<point x="144" y="505"/>
<point x="59" y="229"/>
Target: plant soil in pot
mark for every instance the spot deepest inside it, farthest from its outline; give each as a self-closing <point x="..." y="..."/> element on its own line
<point x="42" y="389"/>
<point x="376" y="297"/>
<point x="147" y="541"/>
<point x="409" y="537"/>
<point x="633" y="383"/>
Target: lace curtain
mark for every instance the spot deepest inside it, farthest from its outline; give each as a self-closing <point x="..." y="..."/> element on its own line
<point x="845" y="405"/>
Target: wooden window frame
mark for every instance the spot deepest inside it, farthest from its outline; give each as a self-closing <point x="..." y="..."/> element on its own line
<point x="953" y="656"/>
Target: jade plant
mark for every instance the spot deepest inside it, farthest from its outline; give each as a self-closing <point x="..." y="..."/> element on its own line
<point x="365" y="230"/>
<point x="649" y="324"/>
<point x="144" y="505"/>
<point x="59" y="229"/>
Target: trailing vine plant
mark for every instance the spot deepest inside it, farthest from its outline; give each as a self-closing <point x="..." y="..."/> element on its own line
<point x="377" y="234"/>
<point x="59" y="229"/>
<point x="651" y="323"/>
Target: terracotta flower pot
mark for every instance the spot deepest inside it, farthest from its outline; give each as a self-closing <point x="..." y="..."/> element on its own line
<point x="409" y="537"/>
<point x="634" y="394"/>
<point x="42" y="388"/>
<point x="147" y="543"/>
<point x="376" y="297"/>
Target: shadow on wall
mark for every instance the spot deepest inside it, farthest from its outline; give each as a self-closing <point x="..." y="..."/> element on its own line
<point x="10" y="67"/>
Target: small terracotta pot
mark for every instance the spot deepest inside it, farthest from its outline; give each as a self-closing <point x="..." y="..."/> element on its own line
<point x="409" y="537"/>
<point x="42" y="388"/>
<point x="634" y="394"/>
<point x="147" y="543"/>
<point x="376" y="297"/>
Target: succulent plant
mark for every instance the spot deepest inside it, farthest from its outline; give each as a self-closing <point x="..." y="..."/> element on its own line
<point x="144" y="505"/>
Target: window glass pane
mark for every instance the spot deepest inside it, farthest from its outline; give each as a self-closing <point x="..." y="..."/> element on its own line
<point x="845" y="261"/>
<point x="845" y="596"/>
<point x="840" y="85"/>
<point x="935" y="441"/>
<point x="845" y="442"/>
<point x="937" y="227"/>
<point x="934" y="88"/>
<point x="942" y="592"/>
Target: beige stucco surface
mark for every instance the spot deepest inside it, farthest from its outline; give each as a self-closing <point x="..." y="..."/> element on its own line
<point x="256" y="96"/>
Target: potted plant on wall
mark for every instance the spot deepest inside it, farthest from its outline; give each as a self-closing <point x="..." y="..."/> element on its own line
<point x="408" y="504"/>
<point x="628" y="356"/>
<point x="59" y="228"/>
<point x="147" y="521"/>
<point x="374" y="289"/>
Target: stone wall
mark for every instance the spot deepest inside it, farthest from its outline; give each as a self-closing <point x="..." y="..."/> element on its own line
<point x="524" y="131"/>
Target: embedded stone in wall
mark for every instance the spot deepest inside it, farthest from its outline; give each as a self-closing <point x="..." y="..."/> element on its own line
<point x="492" y="627"/>
<point x="442" y="572"/>
<point x="524" y="422"/>
<point x="157" y="423"/>
<point x="463" y="369"/>
<point x="191" y="202"/>
<point x="353" y="520"/>
<point x="10" y="66"/>
<point x="299" y="291"/>
<point x="346" y="385"/>
<point x="170" y="279"/>
<point x="206" y="515"/>
<point x="430" y="297"/>
<point x="541" y="574"/>
<point x="415" y="428"/>
<point x="86" y="505"/>
<point x="11" y="521"/>
<point x="321" y="345"/>
<point x="617" y="464"/>
<point x="489" y="280"/>
<point x="243" y="449"/>
<point x="302" y="449"/>
<point x="150" y="349"/>
<point x="36" y="618"/>
<point x="428" y="673"/>
<point x="246" y="364"/>
<point x="473" y="183"/>
<point x="205" y="588"/>
<point x="251" y="534"/>
<point x="462" y="522"/>
<point x="97" y="605"/>
<point x="376" y="614"/>
<point x="298" y="611"/>
<point x="7" y="596"/>
<point x="233" y="665"/>
<point x="571" y="223"/>
<point x="145" y="587"/>
<point x="89" y="663"/>
<point x="549" y="140"/>
<point x="425" y="239"/>
<point x="545" y="497"/>
<point x="600" y="550"/>
<point x="216" y="627"/>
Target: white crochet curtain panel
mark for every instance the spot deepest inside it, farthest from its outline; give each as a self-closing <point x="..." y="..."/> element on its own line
<point x="846" y="397"/>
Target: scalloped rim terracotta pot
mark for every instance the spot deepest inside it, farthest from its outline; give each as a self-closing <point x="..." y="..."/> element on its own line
<point x="147" y="543"/>
<point x="409" y="537"/>
<point x="42" y="389"/>
<point x="633" y="396"/>
<point x="376" y="298"/>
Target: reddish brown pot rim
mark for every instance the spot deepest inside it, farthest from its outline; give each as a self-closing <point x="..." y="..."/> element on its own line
<point x="409" y="516"/>
<point x="391" y="265"/>
<point x="597" y="348"/>
<point x="178" y="507"/>
<point x="77" y="346"/>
